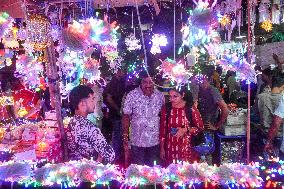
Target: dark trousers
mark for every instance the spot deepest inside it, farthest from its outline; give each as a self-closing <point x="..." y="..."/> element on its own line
<point x="145" y="155"/>
<point x="117" y="142"/>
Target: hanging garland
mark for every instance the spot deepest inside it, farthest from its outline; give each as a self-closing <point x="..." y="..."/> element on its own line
<point x="72" y="173"/>
<point x="6" y="23"/>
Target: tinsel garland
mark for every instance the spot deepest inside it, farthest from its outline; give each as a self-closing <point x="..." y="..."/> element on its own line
<point x="182" y="173"/>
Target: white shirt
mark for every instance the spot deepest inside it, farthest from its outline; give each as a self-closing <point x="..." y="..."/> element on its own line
<point x="280" y="113"/>
<point x="144" y="117"/>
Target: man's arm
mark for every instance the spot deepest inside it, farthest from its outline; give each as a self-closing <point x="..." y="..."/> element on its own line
<point x="125" y="126"/>
<point x="100" y="144"/>
<point x="224" y="113"/>
<point x="276" y="123"/>
<point x="272" y="132"/>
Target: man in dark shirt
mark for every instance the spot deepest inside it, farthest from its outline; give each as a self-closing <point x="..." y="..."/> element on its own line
<point x="113" y="95"/>
<point x="210" y="102"/>
<point x="84" y="139"/>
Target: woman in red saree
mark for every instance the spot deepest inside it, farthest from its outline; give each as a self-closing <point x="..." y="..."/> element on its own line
<point x="176" y="130"/>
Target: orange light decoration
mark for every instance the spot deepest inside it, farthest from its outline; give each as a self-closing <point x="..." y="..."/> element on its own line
<point x="266" y="25"/>
<point x="38" y="32"/>
<point x="225" y="20"/>
<point x="43" y="146"/>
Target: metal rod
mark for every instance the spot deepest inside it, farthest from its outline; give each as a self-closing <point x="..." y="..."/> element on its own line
<point x="249" y="61"/>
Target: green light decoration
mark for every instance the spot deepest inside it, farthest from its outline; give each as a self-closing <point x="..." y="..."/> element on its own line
<point x="277" y="36"/>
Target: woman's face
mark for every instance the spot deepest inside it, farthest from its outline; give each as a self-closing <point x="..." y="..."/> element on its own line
<point x="175" y="97"/>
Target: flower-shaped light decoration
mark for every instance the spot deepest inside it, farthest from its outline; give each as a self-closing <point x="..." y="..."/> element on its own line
<point x="132" y="43"/>
<point x="6" y="23"/>
<point x="199" y="29"/>
<point x="224" y="20"/>
<point x="38" y="32"/>
<point x="5" y="57"/>
<point x="30" y="70"/>
<point x="91" y="70"/>
<point x="175" y="71"/>
<point x="158" y="40"/>
<point x="267" y="25"/>
<point x="92" y="31"/>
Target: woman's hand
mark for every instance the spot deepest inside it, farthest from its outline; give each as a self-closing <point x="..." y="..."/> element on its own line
<point x="210" y="126"/>
<point x="180" y="133"/>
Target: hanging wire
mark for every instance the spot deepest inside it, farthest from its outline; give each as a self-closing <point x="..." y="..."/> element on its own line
<point x="174" y="30"/>
<point x="145" y="62"/>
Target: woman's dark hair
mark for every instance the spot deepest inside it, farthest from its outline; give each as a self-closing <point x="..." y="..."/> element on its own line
<point x="278" y="80"/>
<point x="183" y="90"/>
<point x="77" y="94"/>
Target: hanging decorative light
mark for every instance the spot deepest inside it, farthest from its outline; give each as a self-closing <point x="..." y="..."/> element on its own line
<point x="38" y="29"/>
<point x="266" y="25"/>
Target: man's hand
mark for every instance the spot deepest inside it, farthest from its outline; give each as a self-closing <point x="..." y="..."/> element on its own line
<point x="180" y="133"/>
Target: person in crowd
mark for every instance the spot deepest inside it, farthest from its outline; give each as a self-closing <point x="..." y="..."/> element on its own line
<point x="84" y="139"/>
<point x="266" y="76"/>
<point x="210" y="104"/>
<point x="141" y="111"/>
<point x="273" y="130"/>
<point x="180" y="120"/>
<point x="27" y="104"/>
<point x="113" y="95"/>
<point x="279" y="63"/>
<point x="232" y="84"/>
<point x="268" y="102"/>
<point x="277" y="113"/>
<point x="97" y="115"/>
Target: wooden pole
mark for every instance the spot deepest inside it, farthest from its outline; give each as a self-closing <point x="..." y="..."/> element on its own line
<point x="249" y="61"/>
<point x="55" y="98"/>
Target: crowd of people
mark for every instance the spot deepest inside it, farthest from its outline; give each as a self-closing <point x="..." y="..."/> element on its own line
<point x="151" y="125"/>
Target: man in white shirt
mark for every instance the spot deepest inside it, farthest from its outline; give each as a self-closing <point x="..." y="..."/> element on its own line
<point x="276" y="123"/>
<point x="141" y="113"/>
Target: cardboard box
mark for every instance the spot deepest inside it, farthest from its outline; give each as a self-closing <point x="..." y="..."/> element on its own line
<point x="234" y="130"/>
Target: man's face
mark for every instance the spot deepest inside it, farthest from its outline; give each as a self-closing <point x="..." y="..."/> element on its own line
<point x="147" y="86"/>
<point x="89" y="103"/>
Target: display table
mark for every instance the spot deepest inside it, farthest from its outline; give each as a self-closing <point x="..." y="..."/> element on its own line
<point x="230" y="148"/>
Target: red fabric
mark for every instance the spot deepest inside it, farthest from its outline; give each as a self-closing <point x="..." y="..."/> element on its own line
<point x="53" y="152"/>
<point x="30" y="99"/>
<point x="180" y="149"/>
<point x="3" y="113"/>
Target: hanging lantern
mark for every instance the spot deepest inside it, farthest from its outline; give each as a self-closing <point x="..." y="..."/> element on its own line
<point x="38" y="29"/>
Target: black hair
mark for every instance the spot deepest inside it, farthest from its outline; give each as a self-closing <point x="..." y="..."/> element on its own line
<point x="208" y="71"/>
<point x="143" y="74"/>
<point x="77" y="94"/>
<point x="278" y="80"/>
<point x="183" y="90"/>
<point x="267" y="72"/>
